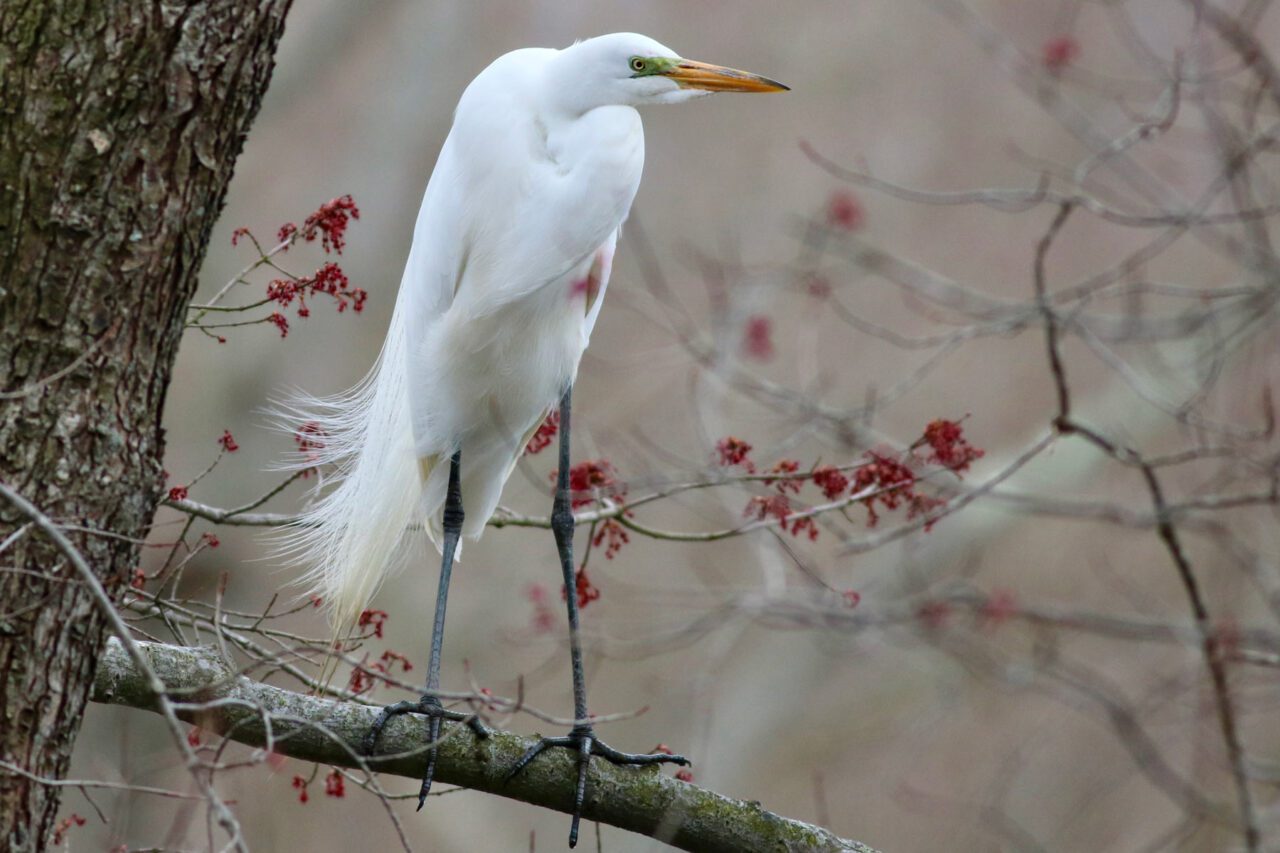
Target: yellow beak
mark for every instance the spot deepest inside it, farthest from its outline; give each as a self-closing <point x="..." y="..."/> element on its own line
<point x="690" y="74"/>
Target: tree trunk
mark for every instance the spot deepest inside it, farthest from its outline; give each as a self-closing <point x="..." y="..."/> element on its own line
<point x="119" y="126"/>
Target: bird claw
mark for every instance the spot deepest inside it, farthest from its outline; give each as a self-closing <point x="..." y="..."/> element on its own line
<point x="428" y="706"/>
<point x="583" y="740"/>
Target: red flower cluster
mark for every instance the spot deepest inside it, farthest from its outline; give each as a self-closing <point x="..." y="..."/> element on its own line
<point x="310" y="439"/>
<point x="334" y="785"/>
<point x="613" y="534"/>
<point x="800" y="525"/>
<point x="365" y="676"/>
<point x="891" y="479"/>
<point x="281" y="322"/>
<point x="591" y="480"/>
<point x="757" y="337"/>
<point x="785" y="484"/>
<point x="64" y="826"/>
<point x="778" y="505"/>
<point x="389" y="659"/>
<point x="895" y="485"/>
<point x="844" y="211"/>
<point x="541" y="439"/>
<point x="1059" y="52"/>
<point x="684" y="774"/>
<point x="301" y="785"/>
<point x="949" y="447"/>
<point x="178" y="493"/>
<point x="210" y="539"/>
<point x="360" y="681"/>
<point x="374" y="619"/>
<point x="329" y="280"/>
<point x="329" y="222"/>
<point x="765" y="506"/>
<point x="587" y="592"/>
<point x="735" y="451"/>
<point x="831" y="480"/>
<point x="227" y="442"/>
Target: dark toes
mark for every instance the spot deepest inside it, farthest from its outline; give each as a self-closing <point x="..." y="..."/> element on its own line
<point x="535" y="750"/>
<point x="528" y="756"/>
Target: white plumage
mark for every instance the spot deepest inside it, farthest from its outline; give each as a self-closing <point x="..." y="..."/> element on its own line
<point x="511" y="255"/>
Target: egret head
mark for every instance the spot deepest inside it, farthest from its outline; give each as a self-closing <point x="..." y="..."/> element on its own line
<point x="635" y="70"/>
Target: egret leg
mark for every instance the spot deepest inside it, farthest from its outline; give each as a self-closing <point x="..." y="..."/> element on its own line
<point x="429" y="705"/>
<point x="582" y="738"/>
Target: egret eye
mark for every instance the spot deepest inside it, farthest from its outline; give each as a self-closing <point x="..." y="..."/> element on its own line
<point x="638" y="65"/>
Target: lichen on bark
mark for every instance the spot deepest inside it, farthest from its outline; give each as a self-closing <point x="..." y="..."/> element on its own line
<point x="311" y="728"/>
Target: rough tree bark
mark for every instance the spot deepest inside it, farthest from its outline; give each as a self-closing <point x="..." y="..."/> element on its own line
<point x="119" y="126"/>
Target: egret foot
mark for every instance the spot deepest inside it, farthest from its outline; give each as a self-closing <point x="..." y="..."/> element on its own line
<point x="429" y="707"/>
<point x="583" y="741"/>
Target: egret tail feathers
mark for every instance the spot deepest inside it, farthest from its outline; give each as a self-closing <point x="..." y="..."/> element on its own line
<point x="352" y="535"/>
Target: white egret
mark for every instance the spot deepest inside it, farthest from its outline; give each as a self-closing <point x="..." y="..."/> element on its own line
<point x="511" y="256"/>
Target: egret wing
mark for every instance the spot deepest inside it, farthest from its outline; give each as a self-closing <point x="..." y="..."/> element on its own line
<point x="542" y="193"/>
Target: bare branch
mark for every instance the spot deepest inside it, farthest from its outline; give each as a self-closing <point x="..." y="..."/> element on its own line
<point x="322" y="730"/>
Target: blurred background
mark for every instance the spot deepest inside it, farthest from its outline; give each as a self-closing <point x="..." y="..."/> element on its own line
<point x="976" y="697"/>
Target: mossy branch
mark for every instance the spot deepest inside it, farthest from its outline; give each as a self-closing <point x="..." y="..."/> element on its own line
<point x="326" y="731"/>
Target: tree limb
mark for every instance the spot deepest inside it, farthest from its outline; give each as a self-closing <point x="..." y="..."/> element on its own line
<point x="310" y="728"/>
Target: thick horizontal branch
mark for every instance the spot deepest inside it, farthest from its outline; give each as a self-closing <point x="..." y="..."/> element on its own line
<point x="310" y="728"/>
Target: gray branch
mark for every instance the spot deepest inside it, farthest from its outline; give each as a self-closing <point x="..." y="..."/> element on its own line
<point x="326" y="731"/>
